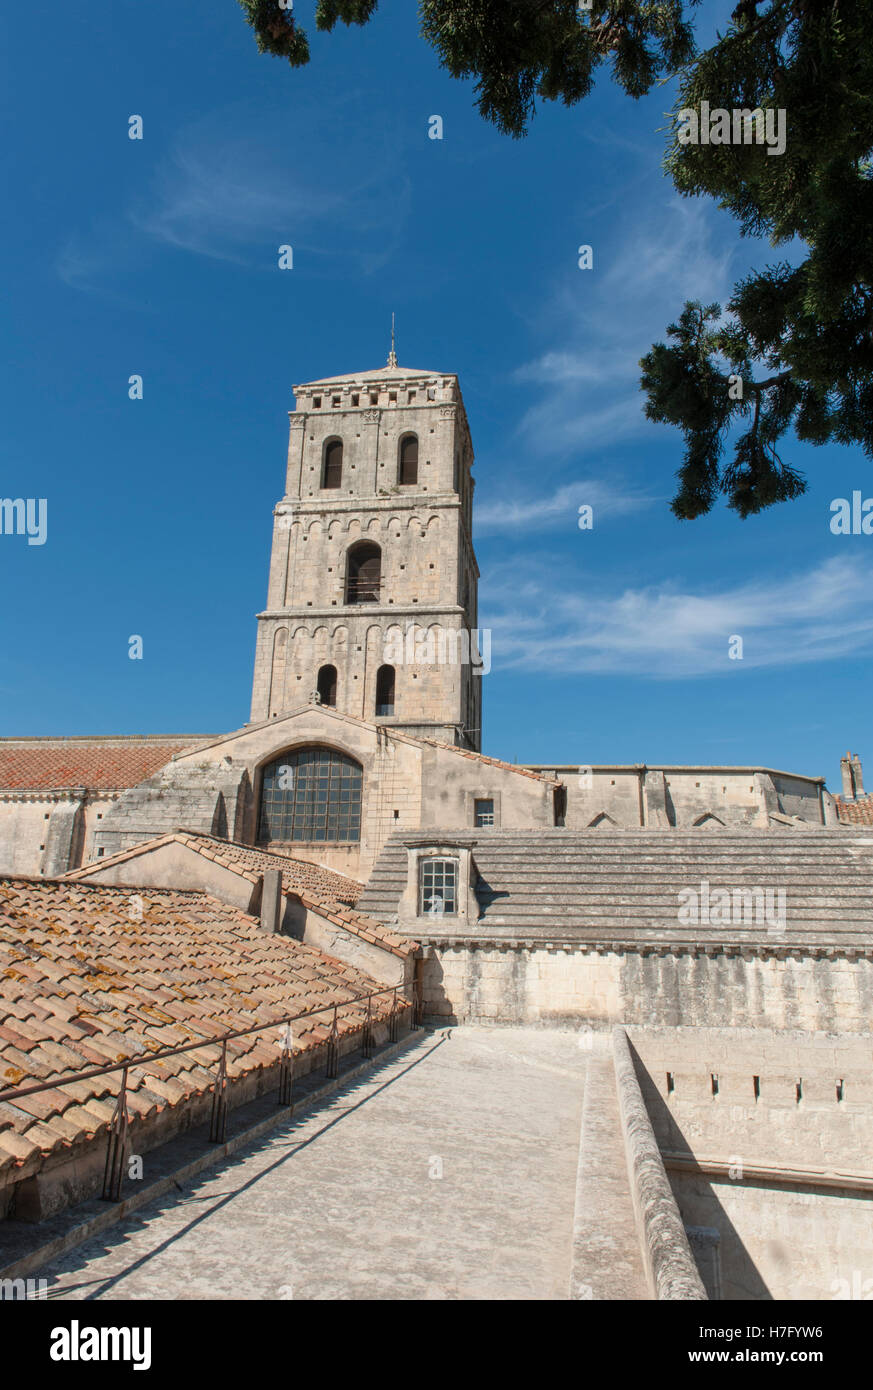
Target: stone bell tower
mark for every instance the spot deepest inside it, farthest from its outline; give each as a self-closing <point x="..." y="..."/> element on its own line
<point x="372" y="603"/>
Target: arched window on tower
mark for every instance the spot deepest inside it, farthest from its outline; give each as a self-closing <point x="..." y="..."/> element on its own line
<point x="384" y="692"/>
<point x="364" y="573"/>
<point x="408" y="469"/>
<point x="332" y="471"/>
<point x="327" y="685"/>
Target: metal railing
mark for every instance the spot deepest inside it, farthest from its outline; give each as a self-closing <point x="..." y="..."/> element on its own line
<point x="363" y="590"/>
<point x="116" y="1153"/>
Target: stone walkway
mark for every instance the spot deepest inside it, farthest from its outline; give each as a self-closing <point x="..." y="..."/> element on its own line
<point x="448" y="1173"/>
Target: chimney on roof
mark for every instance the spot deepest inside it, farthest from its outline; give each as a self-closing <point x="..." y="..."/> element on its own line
<point x="853" y="781"/>
<point x="271" y="899"/>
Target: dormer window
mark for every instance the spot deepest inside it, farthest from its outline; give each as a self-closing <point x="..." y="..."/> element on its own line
<point x="438" y="887"/>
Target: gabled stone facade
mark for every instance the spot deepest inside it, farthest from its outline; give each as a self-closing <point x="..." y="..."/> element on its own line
<point x="407" y="783"/>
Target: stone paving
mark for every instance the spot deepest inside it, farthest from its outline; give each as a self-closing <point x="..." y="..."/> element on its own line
<point x="448" y="1172"/>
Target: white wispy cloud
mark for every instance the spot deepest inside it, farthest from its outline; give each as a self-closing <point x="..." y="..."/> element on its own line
<point x="667" y="631"/>
<point x="540" y="512"/>
<point x="229" y="190"/>
<point x="600" y="322"/>
<point x="229" y="196"/>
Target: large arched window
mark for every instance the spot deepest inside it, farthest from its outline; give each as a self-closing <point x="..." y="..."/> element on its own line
<point x="384" y="691"/>
<point x="311" y="794"/>
<point x="364" y="573"/>
<point x="332" y="471"/>
<point x="408" y="462"/>
<point x="327" y="685"/>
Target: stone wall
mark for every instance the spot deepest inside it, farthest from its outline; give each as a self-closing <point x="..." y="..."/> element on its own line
<point x="49" y="832"/>
<point x="24" y="822"/>
<point x="564" y="983"/>
<point x="780" y="1242"/>
<point x="767" y="1139"/>
<point x="661" y="797"/>
<point x="718" y="1092"/>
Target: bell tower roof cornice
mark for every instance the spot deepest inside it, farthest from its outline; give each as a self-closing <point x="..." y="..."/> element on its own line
<point x="381" y="374"/>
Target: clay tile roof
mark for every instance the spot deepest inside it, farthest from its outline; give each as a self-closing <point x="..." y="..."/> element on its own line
<point x="296" y="873"/>
<point x="855" y="812"/>
<point x="323" y="890"/>
<point x="84" y="980"/>
<point x="329" y="885"/>
<point x="55" y="764"/>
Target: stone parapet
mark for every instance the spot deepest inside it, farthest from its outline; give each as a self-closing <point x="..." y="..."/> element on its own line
<point x="670" y="1265"/>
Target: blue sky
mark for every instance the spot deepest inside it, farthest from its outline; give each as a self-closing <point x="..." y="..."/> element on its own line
<point x="159" y="257"/>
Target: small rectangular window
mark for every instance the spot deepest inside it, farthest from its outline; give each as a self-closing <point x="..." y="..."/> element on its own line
<point x="438" y="887"/>
<point x="431" y="393"/>
<point x="411" y="397"/>
<point x="392" y="396"/>
<point x="483" y="812"/>
<point x="316" y="402"/>
<point x="335" y="400"/>
<point x="374" y="398"/>
<point x="356" y="400"/>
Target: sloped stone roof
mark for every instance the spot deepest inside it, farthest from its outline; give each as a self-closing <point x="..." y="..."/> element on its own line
<point x="100" y="764"/>
<point x="85" y="982"/>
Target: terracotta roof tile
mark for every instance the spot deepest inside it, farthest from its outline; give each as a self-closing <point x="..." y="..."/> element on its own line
<point x="108" y="988"/>
<point x="323" y="890"/>
<point x="246" y="860"/>
<point x="855" y="812"/>
<point x="101" y="764"/>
